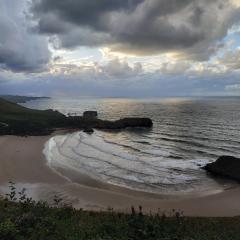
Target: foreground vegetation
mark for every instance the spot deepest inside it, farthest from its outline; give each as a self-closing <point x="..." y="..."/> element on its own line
<point x="22" y="218"/>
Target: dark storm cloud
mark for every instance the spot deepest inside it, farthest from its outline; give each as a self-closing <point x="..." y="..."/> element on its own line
<point x="141" y="27"/>
<point x="81" y="12"/>
<point x="19" y="49"/>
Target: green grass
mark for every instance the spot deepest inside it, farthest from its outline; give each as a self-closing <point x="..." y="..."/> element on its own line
<point x="21" y="120"/>
<point x="40" y="221"/>
<point x="11" y="111"/>
<point x="27" y="219"/>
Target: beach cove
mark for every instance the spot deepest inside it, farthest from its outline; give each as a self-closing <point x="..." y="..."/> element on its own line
<point x="22" y="161"/>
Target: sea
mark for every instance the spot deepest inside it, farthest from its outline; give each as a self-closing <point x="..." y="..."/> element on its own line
<point x="187" y="134"/>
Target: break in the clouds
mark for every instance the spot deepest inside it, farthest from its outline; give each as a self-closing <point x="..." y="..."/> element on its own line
<point x="120" y="47"/>
<point x="191" y="28"/>
<point x="20" y="50"/>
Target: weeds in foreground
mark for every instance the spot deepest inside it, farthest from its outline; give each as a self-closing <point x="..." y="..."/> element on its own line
<point x="22" y="218"/>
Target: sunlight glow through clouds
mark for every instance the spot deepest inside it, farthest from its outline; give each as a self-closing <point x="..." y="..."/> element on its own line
<point x="150" y="44"/>
<point x="236" y="2"/>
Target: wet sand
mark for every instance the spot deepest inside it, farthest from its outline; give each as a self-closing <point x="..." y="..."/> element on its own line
<point x="22" y="161"/>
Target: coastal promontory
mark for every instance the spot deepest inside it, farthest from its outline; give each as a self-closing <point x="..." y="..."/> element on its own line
<point x="18" y="120"/>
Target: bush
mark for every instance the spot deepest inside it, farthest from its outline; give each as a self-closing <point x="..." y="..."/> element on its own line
<point x="22" y="218"/>
<point x="8" y="230"/>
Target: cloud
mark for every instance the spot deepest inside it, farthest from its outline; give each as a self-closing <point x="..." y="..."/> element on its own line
<point x="41" y="47"/>
<point x="174" y="68"/>
<point x="121" y="69"/>
<point x="20" y="50"/>
<point x="231" y="60"/>
<point x="118" y="78"/>
<point x="112" y="69"/>
<point x="233" y="88"/>
<point x="140" y="27"/>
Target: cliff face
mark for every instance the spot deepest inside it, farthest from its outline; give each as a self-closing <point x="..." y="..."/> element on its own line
<point x="225" y="166"/>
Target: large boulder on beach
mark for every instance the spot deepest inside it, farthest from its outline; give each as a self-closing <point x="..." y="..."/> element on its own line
<point x="225" y="166"/>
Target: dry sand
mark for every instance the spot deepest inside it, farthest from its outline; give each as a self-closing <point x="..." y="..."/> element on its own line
<point x="22" y="161"/>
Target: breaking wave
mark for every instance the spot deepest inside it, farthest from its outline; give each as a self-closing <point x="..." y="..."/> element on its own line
<point x="125" y="161"/>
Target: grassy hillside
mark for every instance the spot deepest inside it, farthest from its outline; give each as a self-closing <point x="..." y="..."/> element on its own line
<point x="12" y="111"/>
<point x="16" y="119"/>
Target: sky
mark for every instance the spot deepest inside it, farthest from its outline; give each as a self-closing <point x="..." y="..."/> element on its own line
<point x="120" y="48"/>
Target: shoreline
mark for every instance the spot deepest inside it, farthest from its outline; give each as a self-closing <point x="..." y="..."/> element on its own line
<point x="22" y="161"/>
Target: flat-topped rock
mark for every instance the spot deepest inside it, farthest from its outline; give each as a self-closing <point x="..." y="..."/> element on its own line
<point x="90" y="114"/>
<point x="121" y="124"/>
<point x="134" y="122"/>
<point x="225" y="166"/>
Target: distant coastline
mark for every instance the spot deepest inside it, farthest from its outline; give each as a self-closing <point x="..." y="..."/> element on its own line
<point x="21" y="99"/>
<point x="18" y="120"/>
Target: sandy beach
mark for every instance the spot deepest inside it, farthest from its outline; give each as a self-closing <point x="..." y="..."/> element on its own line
<point x="22" y="161"/>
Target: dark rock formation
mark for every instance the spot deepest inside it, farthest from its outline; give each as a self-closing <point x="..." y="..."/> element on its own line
<point x="88" y="130"/>
<point x="90" y="114"/>
<point x="122" y="123"/>
<point x="19" y="120"/>
<point x="134" y="122"/>
<point x="225" y="166"/>
<point x="90" y="119"/>
<point x="90" y="122"/>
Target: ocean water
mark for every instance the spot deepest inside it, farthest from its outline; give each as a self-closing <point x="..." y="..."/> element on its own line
<point x="187" y="133"/>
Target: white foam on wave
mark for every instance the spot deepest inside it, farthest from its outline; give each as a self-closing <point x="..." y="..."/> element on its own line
<point x="115" y="164"/>
<point x="156" y="152"/>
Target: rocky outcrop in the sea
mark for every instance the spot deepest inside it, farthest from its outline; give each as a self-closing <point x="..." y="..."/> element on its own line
<point x="93" y="122"/>
<point x="19" y="120"/>
<point x="225" y="166"/>
<point x="125" y="123"/>
<point x="133" y="122"/>
<point x="89" y="120"/>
